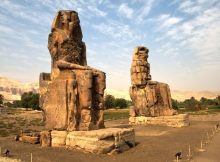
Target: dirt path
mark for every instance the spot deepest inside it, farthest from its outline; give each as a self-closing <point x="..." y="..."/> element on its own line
<point x="212" y="153"/>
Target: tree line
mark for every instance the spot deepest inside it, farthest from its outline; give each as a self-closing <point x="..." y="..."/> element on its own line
<point x="112" y="102"/>
<point x="194" y="104"/>
<point x="28" y="100"/>
<point x="31" y="100"/>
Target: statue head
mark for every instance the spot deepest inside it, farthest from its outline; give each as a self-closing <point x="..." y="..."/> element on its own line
<point x="140" y="53"/>
<point x="65" y="20"/>
<point x="68" y="21"/>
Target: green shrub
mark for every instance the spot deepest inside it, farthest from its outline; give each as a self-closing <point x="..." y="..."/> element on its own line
<point x="1" y="99"/>
<point x="121" y="103"/>
<point x="109" y="101"/>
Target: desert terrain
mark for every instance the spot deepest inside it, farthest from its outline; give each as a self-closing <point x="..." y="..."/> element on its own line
<point x="153" y="143"/>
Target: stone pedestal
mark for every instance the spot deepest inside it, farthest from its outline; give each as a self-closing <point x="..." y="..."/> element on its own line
<point x="176" y="121"/>
<point x="100" y="141"/>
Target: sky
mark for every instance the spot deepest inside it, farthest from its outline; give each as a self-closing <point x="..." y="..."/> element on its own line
<point x="183" y="37"/>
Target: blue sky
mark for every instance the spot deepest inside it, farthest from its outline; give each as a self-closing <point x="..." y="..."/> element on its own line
<point x="183" y="37"/>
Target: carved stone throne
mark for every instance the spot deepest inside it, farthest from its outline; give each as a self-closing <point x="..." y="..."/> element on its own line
<point x="71" y="96"/>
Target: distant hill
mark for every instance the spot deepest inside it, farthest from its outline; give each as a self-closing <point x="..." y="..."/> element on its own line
<point x="182" y="95"/>
<point x="175" y="94"/>
<point x="12" y="90"/>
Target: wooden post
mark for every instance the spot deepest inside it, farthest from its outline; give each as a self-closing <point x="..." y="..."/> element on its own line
<point x="207" y="136"/>
<point x="31" y="158"/>
<point x="201" y="149"/>
<point x="189" y="151"/>
<point x="189" y="154"/>
<point x="201" y="145"/>
<point x="213" y="132"/>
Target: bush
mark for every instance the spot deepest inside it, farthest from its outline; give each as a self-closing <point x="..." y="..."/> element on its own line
<point x="1" y="99"/>
<point x="206" y="102"/>
<point x="109" y="101"/>
<point x="175" y="104"/>
<point x="112" y="102"/>
<point x="217" y="100"/>
<point x="121" y="103"/>
<point x="192" y="104"/>
<point x="8" y="104"/>
<point x="28" y="100"/>
<point x="16" y="104"/>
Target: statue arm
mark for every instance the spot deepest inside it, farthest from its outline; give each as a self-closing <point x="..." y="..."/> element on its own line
<point x="66" y="65"/>
<point x="61" y="64"/>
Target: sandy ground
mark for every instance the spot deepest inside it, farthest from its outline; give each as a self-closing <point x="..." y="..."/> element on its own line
<point x="211" y="153"/>
<point x="154" y="144"/>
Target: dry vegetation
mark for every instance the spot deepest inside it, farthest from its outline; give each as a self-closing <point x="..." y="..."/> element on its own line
<point x="13" y="121"/>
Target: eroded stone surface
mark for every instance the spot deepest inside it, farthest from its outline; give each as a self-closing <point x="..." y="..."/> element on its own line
<point x="177" y="121"/>
<point x="149" y="98"/>
<point x="45" y="138"/>
<point x="72" y="94"/>
<point x="100" y="141"/>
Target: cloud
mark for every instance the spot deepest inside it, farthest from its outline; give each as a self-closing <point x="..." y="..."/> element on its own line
<point x="116" y="30"/>
<point x="6" y="29"/>
<point x="125" y="10"/>
<point x="168" y="21"/>
<point x="145" y="9"/>
<point x="196" y="6"/>
<point x="163" y="17"/>
<point x="199" y="36"/>
<point x="24" y="12"/>
<point x="97" y="11"/>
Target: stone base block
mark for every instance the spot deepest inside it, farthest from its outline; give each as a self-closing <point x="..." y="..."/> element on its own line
<point x="177" y="121"/>
<point x="99" y="141"/>
<point x="58" y="138"/>
<point x="30" y="139"/>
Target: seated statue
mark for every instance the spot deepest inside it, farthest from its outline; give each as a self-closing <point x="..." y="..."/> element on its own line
<point x="149" y="98"/>
<point x="71" y="96"/>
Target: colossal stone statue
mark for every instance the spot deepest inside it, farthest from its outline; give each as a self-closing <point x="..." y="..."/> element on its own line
<point x="149" y="98"/>
<point x="71" y="96"/>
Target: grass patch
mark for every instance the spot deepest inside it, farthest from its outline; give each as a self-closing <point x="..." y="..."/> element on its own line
<point x="36" y="122"/>
<point x="200" y="112"/>
<point x="217" y="107"/>
<point x="4" y="133"/>
<point x="15" y="131"/>
<point x="22" y="122"/>
<point x="2" y="124"/>
<point x="115" y="115"/>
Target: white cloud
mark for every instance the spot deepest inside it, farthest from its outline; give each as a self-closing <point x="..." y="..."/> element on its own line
<point x="196" y="6"/>
<point x="169" y="21"/>
<point x="144" y="11"/>
<point x="186" y="4"/>
<point x="25" y="13"/>
<point x="97" y="11"/>
<point x="6" y="29"/>
<point x="116" y="30"/>
<point x="125" y="10"/>
<point x="163" y="17"/>
<point x="199" y="36"/>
